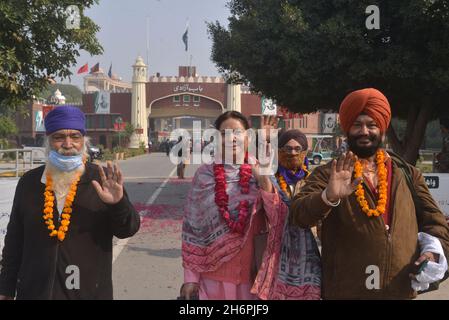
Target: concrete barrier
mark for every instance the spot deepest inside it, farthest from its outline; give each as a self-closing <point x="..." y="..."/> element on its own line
<point x="7" y="190"/>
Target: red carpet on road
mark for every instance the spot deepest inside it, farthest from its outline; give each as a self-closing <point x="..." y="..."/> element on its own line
<point x="160" y="218"/>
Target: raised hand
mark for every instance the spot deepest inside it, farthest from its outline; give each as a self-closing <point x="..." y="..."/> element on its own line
<point x="340" y="185"/>
<point x="262" y="174"/>
<point x="268" y="122"/>
<point x="111" y="189"/>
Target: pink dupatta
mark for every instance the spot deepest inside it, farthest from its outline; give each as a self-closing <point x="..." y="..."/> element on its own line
<point x="207" y="241"/>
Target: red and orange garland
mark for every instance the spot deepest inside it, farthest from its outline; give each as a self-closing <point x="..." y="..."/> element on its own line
<point x="222" y="198"/>
<point x="382" y="184"/>
<point x="66" y="212"/>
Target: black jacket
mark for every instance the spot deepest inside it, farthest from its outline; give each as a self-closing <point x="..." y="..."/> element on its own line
<point x="35" y="265"/>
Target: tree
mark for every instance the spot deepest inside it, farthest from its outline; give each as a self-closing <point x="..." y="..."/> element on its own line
<point x="7" y="128"/>
<point x="125" y="135"/>
<point x="72" y="93"/>
<point x="308" y="54"/>
<point x="39" y="40"/>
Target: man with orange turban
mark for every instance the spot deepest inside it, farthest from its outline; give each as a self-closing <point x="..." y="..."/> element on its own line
<point x="377" y="242"/>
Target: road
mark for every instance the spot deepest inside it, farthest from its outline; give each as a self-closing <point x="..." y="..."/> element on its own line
<point x="149" y="265"/>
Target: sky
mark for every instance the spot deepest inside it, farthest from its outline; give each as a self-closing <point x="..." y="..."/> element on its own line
<point x="123" y="36"/>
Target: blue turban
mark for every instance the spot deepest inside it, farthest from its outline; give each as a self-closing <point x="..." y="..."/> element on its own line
<point x="65" y="117"/>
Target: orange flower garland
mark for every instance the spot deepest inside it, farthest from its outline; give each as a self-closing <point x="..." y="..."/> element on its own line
<point x="382" y="182"/>
<point x="283" y="184"/>
<point x="305" y="170"/>
<point x="49" y="204"/>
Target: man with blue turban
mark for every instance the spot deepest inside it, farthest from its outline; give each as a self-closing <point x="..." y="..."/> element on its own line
<point x="58" y="243"/>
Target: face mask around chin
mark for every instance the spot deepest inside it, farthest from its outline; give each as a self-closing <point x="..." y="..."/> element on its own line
<point x="290" y="162"/>
<point x="65" y="163"/>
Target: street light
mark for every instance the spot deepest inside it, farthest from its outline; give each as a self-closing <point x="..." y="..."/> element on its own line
<point x="119" y="122"/>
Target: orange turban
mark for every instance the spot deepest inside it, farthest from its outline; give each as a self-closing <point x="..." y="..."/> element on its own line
<point x="369" y="101"/>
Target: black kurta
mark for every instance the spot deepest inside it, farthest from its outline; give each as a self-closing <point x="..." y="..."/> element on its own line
<point x="34" y="265"/>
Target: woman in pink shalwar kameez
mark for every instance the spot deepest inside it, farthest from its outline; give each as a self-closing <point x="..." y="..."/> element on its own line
<point x="220" y="226"/>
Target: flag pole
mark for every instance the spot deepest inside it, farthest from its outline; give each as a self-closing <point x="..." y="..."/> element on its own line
<point x="188" y="49"/>
<point x="98" y="81"/>
<point x="148" y="41"/>
<point x="190" y="66"/>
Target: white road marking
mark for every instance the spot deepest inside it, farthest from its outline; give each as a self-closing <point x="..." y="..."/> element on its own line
<point x="121" y="243"/>
<point x="147" y="178"/>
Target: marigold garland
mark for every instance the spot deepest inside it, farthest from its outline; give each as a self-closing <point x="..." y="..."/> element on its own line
<point x="66" y="212"/>
<point x="305" y="170"/>
<point x="382" y="186"/>
<point x="283" y="184"/>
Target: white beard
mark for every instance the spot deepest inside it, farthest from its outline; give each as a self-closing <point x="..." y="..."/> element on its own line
<point x="62" y="180"/>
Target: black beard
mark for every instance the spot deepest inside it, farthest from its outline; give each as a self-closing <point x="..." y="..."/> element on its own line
<point x="364" y="152"/>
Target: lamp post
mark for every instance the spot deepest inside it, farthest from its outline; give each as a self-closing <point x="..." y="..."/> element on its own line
<point x="119" y="122"/>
